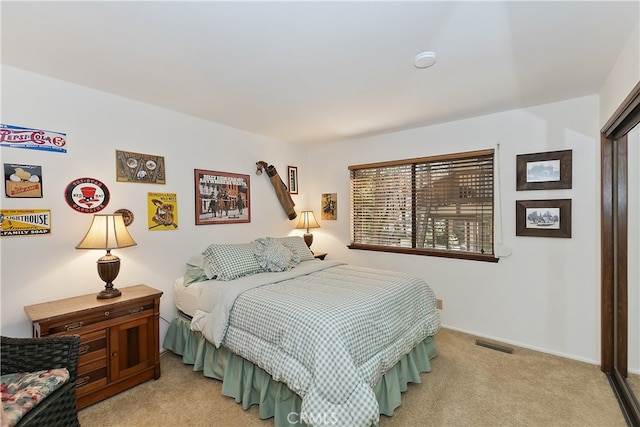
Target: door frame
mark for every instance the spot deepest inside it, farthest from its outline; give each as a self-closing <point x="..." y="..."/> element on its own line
<point x="613" y="145"/>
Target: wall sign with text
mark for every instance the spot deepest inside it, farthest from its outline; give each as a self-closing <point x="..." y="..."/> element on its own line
<point x="87" y="195"/>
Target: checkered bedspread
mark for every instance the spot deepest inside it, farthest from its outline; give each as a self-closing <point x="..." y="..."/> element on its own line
<point x="331" y="334"/>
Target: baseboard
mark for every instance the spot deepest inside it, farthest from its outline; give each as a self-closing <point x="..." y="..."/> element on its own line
<point x="524" y="345"/>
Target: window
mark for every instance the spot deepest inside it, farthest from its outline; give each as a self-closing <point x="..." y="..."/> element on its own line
<point x="439" y="206"/>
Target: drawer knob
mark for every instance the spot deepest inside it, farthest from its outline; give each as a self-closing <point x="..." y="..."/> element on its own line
<point x="106" y="313"/>
<point x="83" y="349"/>
<point x="136" y="310"/>
<point x="114" y="354"/>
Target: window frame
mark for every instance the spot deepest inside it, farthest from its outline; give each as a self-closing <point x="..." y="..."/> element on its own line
<point x="456" y="254"/>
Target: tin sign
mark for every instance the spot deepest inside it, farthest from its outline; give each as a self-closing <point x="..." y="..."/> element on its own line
<point x="34" y="139"/>
<point x="87" y="195"/>
<point x="25" y="222"/>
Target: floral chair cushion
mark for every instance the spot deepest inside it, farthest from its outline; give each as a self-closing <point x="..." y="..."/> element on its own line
<point x="22" y="391"/>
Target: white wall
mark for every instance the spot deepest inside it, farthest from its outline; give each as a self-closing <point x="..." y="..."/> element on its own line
<point x="624" y="75"/>
<point x="42" y="268"/>
<point x="546" y="294"/>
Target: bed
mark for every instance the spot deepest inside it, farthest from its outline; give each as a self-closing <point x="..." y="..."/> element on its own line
<point x="311" y="342"/>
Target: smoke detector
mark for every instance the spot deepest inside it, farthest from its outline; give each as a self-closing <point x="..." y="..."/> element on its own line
<point x="425" y="60"/>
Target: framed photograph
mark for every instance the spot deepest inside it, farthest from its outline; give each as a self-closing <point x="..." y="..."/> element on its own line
<point x="544" y="171"/>
<point x="221" y="197"/>
<point x="292" y="173"/>
<point x="543" y="218"/>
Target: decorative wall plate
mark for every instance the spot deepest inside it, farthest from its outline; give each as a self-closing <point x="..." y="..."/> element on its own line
<point x="127" y="216"/>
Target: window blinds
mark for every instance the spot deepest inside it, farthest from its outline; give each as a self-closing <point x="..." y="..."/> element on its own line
<point x="442" y="204"/>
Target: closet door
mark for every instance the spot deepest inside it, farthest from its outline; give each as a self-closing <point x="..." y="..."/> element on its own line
<point x="620" y="255"/>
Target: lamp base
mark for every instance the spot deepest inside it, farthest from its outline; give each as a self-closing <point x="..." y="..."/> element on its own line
<point x="108" y="269"/>
<point x="109" y="292"/>
<point x="308" y="239"/>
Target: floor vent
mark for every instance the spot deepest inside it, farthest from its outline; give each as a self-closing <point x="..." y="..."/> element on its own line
<point x="494" y="346"/>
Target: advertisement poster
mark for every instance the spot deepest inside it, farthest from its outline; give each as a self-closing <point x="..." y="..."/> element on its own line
<point x="33" y="139"/>
<point x="221" y="197"/>
<point x="25" y="222"/>
<point x="22" y="180"/>
<point x="162" y="211"/>
<point x="142" y="168"/>
<point x="87" y="195"/>
<point x="329" y="206"/>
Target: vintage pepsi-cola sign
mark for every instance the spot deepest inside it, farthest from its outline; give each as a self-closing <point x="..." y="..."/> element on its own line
<point x="34" y="139"/>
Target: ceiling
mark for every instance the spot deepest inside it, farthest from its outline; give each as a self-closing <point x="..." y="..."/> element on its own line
<point x="316" y="72"/>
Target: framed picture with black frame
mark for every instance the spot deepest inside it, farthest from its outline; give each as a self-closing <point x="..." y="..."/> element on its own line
<point x="292" y="172"/>
<point x="544" y="171"/>
<point x="543" y="218"/>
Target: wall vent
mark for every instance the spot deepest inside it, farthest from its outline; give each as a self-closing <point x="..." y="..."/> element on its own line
<point x="493" y="346"/>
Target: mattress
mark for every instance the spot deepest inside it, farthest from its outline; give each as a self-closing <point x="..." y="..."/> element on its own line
<point x="186" y="297"/>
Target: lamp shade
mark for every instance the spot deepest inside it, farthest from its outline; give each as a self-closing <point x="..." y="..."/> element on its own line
<point x="307" y="220"/>
<point x="108" y="232"/>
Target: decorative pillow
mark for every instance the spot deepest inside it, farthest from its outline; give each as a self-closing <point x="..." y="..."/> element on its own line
<point x="198" y="261"/>
<point x="22" y="391"/>
<point x="232" y="260"/>
<point x="274" y="256"/>
<point x="297" y="246"/>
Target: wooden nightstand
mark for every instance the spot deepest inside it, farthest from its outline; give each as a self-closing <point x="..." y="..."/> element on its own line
<point x="319" y="255"/>
<point x="119" y="338"/>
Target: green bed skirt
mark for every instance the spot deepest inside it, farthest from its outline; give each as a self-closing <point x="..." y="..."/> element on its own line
<point x="250" y="385"/>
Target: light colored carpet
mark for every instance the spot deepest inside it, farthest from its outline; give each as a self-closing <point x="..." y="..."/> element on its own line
<point x="469" y="386"/>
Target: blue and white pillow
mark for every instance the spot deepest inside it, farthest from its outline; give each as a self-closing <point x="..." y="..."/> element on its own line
<point x="298" y="246"/>
<point x="274" y="256"/>
<point x="231" y="260"/>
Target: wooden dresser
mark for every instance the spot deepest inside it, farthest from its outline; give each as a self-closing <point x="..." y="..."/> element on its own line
<point x="119" y="338"/>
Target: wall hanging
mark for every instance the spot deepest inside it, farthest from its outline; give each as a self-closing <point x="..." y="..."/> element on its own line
<point x="329" y="206"/>
<point x="221" y="197"/>
<point x="25" y="222"/>
<point x="137" y="167"/>
<point x="280" y="188"/>
<point x="292" y="172"/>
<point x="544" y="171"/>
<point x="87" y="195"/>
<point x="127" y="216"/>
<point x="32" y="139"/>
<point x="543" y="218"/>
<point x="162" y="211"/>
<point x="24" y="181"/>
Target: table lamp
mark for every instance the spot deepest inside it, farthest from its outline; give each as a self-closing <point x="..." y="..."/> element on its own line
<point x="307" y="220"/>
<point x="107" y="232"/>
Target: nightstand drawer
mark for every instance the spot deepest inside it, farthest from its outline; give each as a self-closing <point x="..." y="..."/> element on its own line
<point x="76" y="324"/>
<point x="91" y="377"/>
<point x="93" y="346"/>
